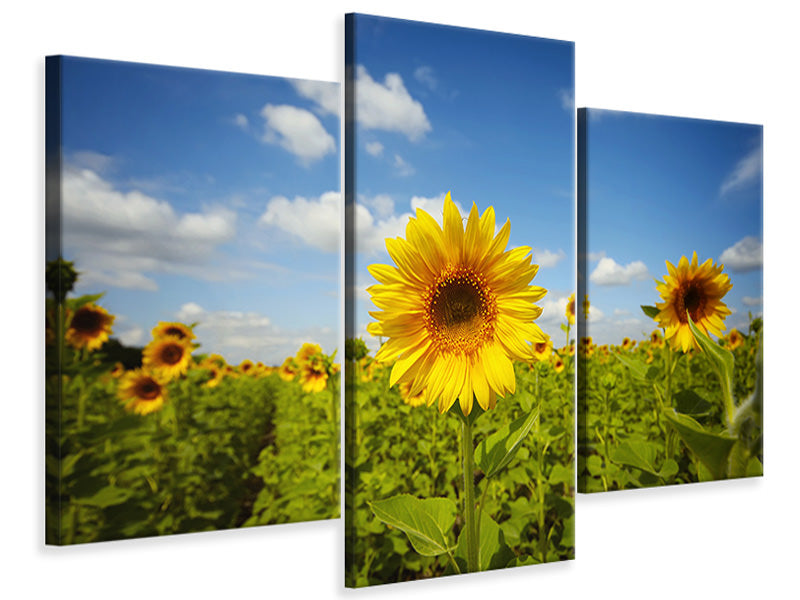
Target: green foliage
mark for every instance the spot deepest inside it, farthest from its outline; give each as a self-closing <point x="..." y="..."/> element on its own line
<point x="427" y="522"/>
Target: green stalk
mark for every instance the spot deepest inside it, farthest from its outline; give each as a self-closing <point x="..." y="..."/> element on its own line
<point x="469" y="495"/>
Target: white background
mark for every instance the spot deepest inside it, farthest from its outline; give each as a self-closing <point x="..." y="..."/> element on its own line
<point x="723" y="60"/>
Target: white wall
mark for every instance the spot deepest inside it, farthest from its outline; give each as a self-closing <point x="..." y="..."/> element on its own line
<point x="725" y="60"/>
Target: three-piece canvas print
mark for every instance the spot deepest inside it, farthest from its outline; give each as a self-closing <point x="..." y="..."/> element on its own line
<point x="194" y="356"/>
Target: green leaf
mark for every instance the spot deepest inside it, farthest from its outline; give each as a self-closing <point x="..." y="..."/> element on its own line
<point x="638" y="454"/>
<point x="493" y="551"/>
<point x="427" y="522"/>
<point x="712" y="449"/>
<point x="688" y="402"/>
<point x="720" y="358"/>
<point x="108" y="496"/>
<point x="637" y="367"/>
<point x="496" y="451"/>
<point x="650" y="311"/>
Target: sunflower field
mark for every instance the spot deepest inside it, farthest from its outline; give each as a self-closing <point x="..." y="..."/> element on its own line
<point x="166" y="439"/>
<point x="459" y="429"/>
<point x="677" y="406"/>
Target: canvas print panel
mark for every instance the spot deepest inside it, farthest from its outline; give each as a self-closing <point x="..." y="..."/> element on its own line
<point x="192" y="313"/>
<point x="459" y="281"/>
<point x="670" y="277"/>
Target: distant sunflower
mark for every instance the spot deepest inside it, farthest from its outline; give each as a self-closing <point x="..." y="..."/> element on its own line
<point x="142" y="391"/>
<point x="167" y="356"/>
<point x="288" y="370"/>
<point x="627" y="343"/>
<point x="313" y="376"/>
<point x="558" y="364"/>
<point x="656" y="341"/>
<point x="457" y="308"/>
<point x="118" y="370"/>
<point x="89" y="327"/>
<point x="734" y="339"/>
<point x="178" y="330"/>
<point x="216" y="374"/>
<point x="306" y="352"/>
<point x="698" y="290"/>
<point x="246" y="367"/>
<point x="570" y="311"/>
<point x="586" y="306"/>
<point x="413" y="401"/>
<point x="542" y="350"/>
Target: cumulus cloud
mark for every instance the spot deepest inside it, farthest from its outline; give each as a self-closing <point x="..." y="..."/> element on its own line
<point x="745" y="255"/>
<point x="238" y="335"/>
<point x="546" y="258"/>
<point x="316" y="221"/>
<point x="388" y="106"/>
<point x="297" y="131"/>
<point x="609" y="272"/>
<point x="750" y="301"/>
<point x="382" y="205"/>
<point x="323" y="93"/>
<point x="746" y="171"/>
<point x="120" y="238"/>
<point x="374" y="148"/>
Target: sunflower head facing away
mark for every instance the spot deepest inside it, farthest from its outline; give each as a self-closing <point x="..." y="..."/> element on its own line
<point x="173" y="329"/>
<point x="457" y="308"/>
<point x="168" y="356"/>
<point x="141" y="391"/>
<point x="89" y="327"/>
<point x="697" y="290"/>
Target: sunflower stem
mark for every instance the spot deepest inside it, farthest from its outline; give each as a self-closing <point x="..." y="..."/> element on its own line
<point x="469" y="495"/>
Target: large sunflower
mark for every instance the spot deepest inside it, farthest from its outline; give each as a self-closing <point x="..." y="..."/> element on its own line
<point x="168" y="356"/>
<point x="142" y="391"/>
<point x="698" y="290"/>
<point x="457" y="308"/>
<point x="89" y="327"/>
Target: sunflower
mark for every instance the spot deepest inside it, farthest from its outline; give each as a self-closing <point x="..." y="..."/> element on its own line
<point x="734" y="340"/>
<point x="698" y="290"/>
<point x="570" y="311"/>
<point x="542" y="350"/>
<point x="627" y="343"/>
<point x="656" y="341"/>
<point x="457" y="308"/>
<point x="586" y="347"/>
<point x="650" y="357"/>
<point x="89" y="327"/>
<point x="142" y="391"/>
<point x="558" y="364"/>
<point x="246" y="367"/>
<point x="288" y="369"/>
<point x="216" y="374"/>
<point x="178" y="330"/>
<point x="412" y="401"/>
<point x="168" y="356"/>
<point x="313" y="376"/>
<point x="306" y="352"/>
<point x="118" y="370"/>
<point x="586" y="306"/>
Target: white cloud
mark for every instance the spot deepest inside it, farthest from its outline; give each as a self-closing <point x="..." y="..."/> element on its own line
<point x="745" y="255"/>
<point x="750" y="301"/>
<point x="241" y="121"/>
<point x="374" y="148"/>
<point x="317" y="221"/>
<point x="131" y="337"/>
<point x="297" y="131"/>
<point x="325" y="94"/>
<point x="389" y="106"/>
<point x="595" y="256"/>
<point x="238" y="335"/>
<point x="746" y="171"/>
<point x="425" y="76"/>
<point x="567" y="98"/>
<point x="94" y="161"/>
<point x="546" y="258"/>
<point x="608" y="272"/>
<point x="118" y="238"/>
<point x="382" y="205"/>
<point x="402" y="168"/>
<point x="621" y="312"/>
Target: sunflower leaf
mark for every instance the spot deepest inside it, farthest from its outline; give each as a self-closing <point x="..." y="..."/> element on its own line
<point x="650" y="311"/>
<point x="493" y="552"/>
<point x="427" y="522"/>
<point x="496" y="451"/>
<point x="721" y="359"/>
<point x="712" y="449"/>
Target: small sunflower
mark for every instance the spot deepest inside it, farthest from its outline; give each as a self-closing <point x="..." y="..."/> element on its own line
<point x="307" y="352"/>
<point x="169" y="329"/>
<point x="313" y="376"/>
<point x="542" y="350"/>
<point x="734" y="339"/>
<point x="246" y="367"/>
<point x="413" y="401"/>
<point x="570" y="311"/>
<point x="457" y="308"/>
<point x="142" y="392"/>
<point x="656" y="341"/>
<point x="118" y="370"/>
<point x="216" y="374"/>
<point x="627" y="343"/>
<point x="288" y="369"/>
<point x="167" y="356"/>
<point x="89" y="327"/>
<point x="586" y="306"/>
<point x="558" y="364"/>
<point x="698" y="290"/>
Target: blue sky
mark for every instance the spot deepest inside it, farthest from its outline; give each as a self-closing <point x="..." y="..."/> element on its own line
<point x="185" y="194"/>
<point x="486" y="116"/>
<point x="659" y="188"/>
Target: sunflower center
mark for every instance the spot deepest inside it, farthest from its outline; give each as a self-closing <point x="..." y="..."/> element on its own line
<point x="461" y="311"/>
<point x="147" y="389"/>
<point x="691" y="298"/>
<point x="171" y="354"/>
<point x="87" y="321"/>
